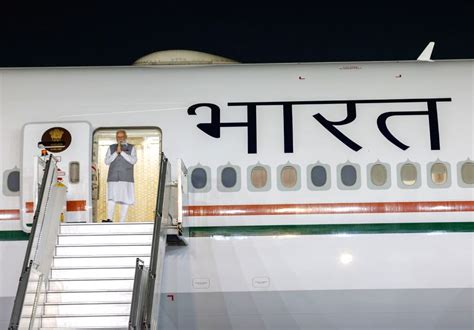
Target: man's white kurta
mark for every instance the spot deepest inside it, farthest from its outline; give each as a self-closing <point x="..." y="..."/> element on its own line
<point x="121" y="192"/>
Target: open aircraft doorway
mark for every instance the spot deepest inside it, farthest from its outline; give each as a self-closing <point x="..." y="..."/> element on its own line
<point x="147" y="144"/>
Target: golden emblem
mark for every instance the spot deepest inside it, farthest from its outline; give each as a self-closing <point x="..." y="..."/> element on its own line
<point x="56" y="134"/>
<point x="56" y="139"/>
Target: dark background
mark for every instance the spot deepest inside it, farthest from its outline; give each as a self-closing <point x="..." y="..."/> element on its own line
<point x="110" y="34"/>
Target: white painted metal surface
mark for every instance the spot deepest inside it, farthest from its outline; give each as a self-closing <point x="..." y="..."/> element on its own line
<point x="102" y="321"/>
<point x="79" y="150"/>
<point x="387" y="264"/>
<point x="93" y="261"/>
<point x="84" y="285"/>
<point x="90" y="289"/>
<point x="322" y="262"/>
<point x="86" y="309"/>
<point x="99" y="228"/>
<point x="104" y="250"/>
<point x="81" y="239"/>
<point x="135" y="96"/>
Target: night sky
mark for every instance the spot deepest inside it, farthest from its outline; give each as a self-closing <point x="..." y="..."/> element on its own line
<point x="336" y="31"/>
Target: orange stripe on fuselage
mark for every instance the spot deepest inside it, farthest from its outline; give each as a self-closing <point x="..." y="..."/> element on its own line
<point x="292" y="209"/>
<point x="76" y="206"/>
<point x="9" y="215"/>
<point x="71" y="206"/>
<point x="329" y="208"/>
<point x="29" y="207"/>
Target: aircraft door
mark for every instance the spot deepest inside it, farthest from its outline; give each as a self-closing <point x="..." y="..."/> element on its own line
<point x="70" y="143"/>
<point x="182" y="193"/>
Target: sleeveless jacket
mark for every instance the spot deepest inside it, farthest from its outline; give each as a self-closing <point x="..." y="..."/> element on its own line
<point x="120" y="169"/>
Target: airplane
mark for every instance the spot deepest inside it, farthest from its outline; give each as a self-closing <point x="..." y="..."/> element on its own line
<point x="316" y="195"/>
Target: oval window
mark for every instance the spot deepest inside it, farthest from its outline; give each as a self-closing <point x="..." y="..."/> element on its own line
<point x="318" y="176"/>
<point x="467" y="173"/>
<point x="348" y="175"/>
<point x="13" y="181"/>
<point x="378" y="175"/>
<point x="439" y="173"/>
<point x="258" y="177"/>
<point x="199" y="178"/>
<point x="408" y="174"/>
<point x="74" y="172"/>
<point x="229" y="177"/>
<point x="288" y="176"/>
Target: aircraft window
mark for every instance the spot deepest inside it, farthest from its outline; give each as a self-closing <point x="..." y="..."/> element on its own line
<point x="74" y="172"/>
<point x="289" y="176"/>
<point x="229" y="177"/>
<point x="258" y="177"/>
<point x="409" y="174"/>
<point x="11" y="178"/>
<point x="439" y="173"/>
<point x="348" y="175"/>
<point x="467" y="173"/>
<point x="13" y="181"/>
<point x="199" y="178"/>
<point x="319" y="176"/>
<point x="378" y="175"/>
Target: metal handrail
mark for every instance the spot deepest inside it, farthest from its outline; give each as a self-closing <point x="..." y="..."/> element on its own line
<point x="143" y="296"/>
<point x="37" y="212"/>
<point x="138" y="298"/>
<point x="160" y="198"/>
<point x="27" y="262"/>
<point x="38" y="256"/>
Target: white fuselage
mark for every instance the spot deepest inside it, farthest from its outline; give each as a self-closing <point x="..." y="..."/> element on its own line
<point x="287" y="277"/>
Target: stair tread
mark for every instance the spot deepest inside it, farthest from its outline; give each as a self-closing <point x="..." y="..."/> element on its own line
<point x="85" y="328"/>
<point x="60" y="303"/>
<point x="91" y="267"/>
<point x="90" y="303"/>
<point x="82" y="291"/>
<point x="48" y="315"/>
<point x="98" y="302"/>
<point x="99" y="256"/>
<point x="87" y="291"/>
<point x="103" y="244"/>
<point x="103" y="256"/>
<point x="107" y="223"/>
<point x="91" y="279"/>
<point x="104" y="234"/>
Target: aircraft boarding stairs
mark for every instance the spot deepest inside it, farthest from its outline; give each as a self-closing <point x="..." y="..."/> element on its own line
<point x="93" y="275"/>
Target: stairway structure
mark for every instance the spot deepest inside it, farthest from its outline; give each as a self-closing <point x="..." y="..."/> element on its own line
<point x="96" y="275"/>
<point x="92" y="274"/>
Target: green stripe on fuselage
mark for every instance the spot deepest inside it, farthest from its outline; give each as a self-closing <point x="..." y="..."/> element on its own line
<point x="332" y="229"/>
<point x="13" y="235"/>
<point x="309" y="229"/>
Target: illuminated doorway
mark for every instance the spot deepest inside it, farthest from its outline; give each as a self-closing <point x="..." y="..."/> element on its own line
<point x="147" y="143"/>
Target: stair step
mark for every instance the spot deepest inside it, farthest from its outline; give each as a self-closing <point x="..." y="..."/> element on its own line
<point x="88" y="321"/>
<point x="32" y="285"/>
<point x="29" y="298"/>
<point x="92" y="273"/>
<point x="91" y="228"/>
<point x="89" y="297"/>
<point x="103" y="250"/>
<point x="80" y="261"/>
<point x="115" y="238"/>
<point x="70" y="309"/>
<point x="85" y="328"/>
<point x="125" y="284"/>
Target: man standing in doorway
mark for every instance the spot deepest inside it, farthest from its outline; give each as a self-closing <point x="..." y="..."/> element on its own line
<point x="121" y="157"/>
